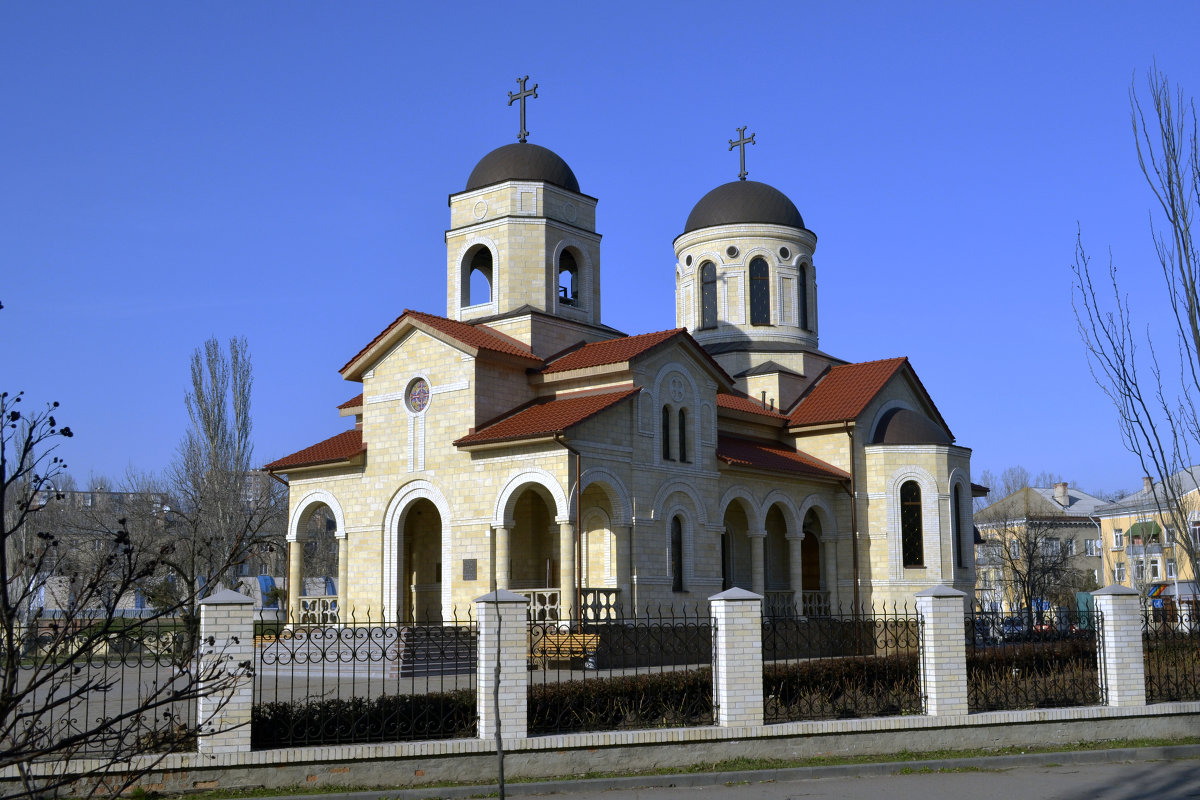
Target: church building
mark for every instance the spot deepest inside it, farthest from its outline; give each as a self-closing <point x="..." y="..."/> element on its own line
<point x="517" y="442"/>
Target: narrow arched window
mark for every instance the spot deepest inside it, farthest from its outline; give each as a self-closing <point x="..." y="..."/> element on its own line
<point x="683" y="437"/>
<point x="960" y="539"/>
<point x="677" y="554"/>
<point x="666" y="433"/>
<point x="912" y="546"/>
<point x="802" y="297"/>
<point x="708" y="295"/>
<point x="760" y="293"/>
<point x="477" y="286"/>
<point x="568" y="279"/>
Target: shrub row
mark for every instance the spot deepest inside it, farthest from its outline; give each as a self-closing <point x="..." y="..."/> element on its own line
<point x="840" y="688"/>
<point x="361" y="720"/>
<point x="657" y="700"/>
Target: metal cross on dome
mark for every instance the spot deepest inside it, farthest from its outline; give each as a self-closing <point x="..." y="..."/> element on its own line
<point x="741" y="144"/>
<point x="521" y="95"/>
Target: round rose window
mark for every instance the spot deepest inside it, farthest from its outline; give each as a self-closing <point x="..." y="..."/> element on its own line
<point x="417" y="396"/>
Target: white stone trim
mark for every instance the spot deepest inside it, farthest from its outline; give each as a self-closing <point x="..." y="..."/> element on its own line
<point x="931" y="525"/>
<point x="686" y="488"/>
<point x="503" y="515"/>
<point x="613" y="487"/>
<point x="754" y="511"/>
<point x="493" y="302"/>
<point x="305" y="504"/>
<point x="791" y="514"/>
<point x="890" y="405"/>
<point x="393" y="541"/>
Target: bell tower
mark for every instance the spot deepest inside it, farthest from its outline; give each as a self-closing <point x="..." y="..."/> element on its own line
<point x="522" y="240"/>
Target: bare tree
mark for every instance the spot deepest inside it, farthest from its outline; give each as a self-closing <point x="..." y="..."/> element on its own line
<point x="221" y="512"/>
<point x="1035" y="559"/>
<point x="67" y="687"/>
<point x="1156" y="401"/>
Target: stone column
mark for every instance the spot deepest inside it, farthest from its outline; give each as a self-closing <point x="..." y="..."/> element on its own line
<point x="737" y="658"/>
<point x="623" y="533"/>
<point x="1122" y="670"/>
<point x="503" y="564"/>
<point x="295" y="585"/>
<point x="343" y="584"/>
<point x="505" y="611"/>
<point x="758" y="570"/>
<point x="796" y="572"/>
<point x="566" y="571"/>
<point x="943" y="651"/>
<point x="226" y="669"/>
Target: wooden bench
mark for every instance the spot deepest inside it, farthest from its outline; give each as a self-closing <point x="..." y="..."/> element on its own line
<point x="564" y="646"/>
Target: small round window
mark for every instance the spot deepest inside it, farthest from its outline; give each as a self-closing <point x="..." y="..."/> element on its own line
<point x="417" y="396"/>
<point x="731" y="251"/>
<point x="688" y="261"/>
<point x="784" y="253"/>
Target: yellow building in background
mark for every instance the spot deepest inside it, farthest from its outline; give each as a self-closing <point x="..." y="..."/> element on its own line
<point x="1150" y="543"/>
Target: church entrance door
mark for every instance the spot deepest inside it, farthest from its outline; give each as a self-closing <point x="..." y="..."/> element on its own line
<point x="421" y="567"/>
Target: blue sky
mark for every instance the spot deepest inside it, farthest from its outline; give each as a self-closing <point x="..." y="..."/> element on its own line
<point x="280" y="171"/>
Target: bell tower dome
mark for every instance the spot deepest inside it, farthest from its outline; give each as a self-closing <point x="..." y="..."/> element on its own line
<point x="746" y="287"/>
<point x="522" y="252"/>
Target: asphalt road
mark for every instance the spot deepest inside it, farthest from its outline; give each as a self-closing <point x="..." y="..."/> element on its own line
<point x="1153" y="773"/>
<point x="1166" y="780"/>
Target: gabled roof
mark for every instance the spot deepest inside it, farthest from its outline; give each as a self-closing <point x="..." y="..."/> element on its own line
<point x="473" y="337"/>
<point x="844" y="392"/>
<point x="628" y="348"/>
<point x="748" y="405"/>
<point x="1032" y="503"/>
<point x="546" y="418"/>
<point x="1182" y="481"/>
<point x="353" y="402"/>
<point x="342" y="447"/>
<point x="774" y="456"/>
<point x="609" y="351"/>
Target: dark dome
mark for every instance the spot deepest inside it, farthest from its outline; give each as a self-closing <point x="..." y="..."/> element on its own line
<point x="902" y="426"/>
<point x="522" y="162"/>
<point x="743" y="201"/>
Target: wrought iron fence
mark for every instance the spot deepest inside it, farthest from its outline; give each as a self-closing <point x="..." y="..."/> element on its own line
<point x="1171" y="644"/>
<point x="652" y="671"/>
<point x="851" y="664"/>
<point x="365" y="680"/>
<point x="1044" y="658"/>
<point x="108" y="687"/>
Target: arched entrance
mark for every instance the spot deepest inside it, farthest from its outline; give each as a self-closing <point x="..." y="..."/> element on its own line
<point x="815" y="599"/>
<point x="779" y="599"/>
<point x="737" y="568"/>
<point x="533" y="553"/>
<point x="420" y="583"/>
<point x="313" y="576"/>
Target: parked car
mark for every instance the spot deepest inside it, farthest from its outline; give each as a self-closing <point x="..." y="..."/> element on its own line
<point x="1012" y="629"/>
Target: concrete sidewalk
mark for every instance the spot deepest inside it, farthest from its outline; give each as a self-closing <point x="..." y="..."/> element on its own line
<point x="1126" y="760"/>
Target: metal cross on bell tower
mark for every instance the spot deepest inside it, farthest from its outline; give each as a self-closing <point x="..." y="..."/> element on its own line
<point x="741" y="144"/>
<point x="521" y="95"/>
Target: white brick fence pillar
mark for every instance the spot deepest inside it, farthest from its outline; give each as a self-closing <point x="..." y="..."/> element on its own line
<point x="737" y="658"/>
<point x="1122" y="671"/>
<point x="505" y="611"/>
<point x="226" y="671"/>
<point x="943" y="650"/>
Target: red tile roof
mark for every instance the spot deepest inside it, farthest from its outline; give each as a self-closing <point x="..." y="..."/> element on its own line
<point x="774" y="456"/>
<point x="546" y="418"/>
<point x="342" y="447"/>
<point x="611" y="351"/>
<point x="844" y="392"/>
<point x="353" y="402"/>
<point x="740" y="402"/>
<point x="479" y="337"/>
